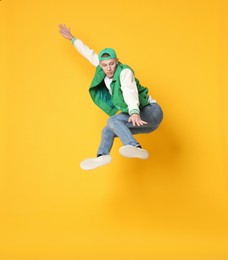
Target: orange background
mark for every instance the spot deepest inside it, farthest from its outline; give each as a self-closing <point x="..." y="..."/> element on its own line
<point x="173" y="205"/>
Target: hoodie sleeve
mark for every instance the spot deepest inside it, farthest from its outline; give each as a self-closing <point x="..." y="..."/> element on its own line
<point x="130" y="91"/>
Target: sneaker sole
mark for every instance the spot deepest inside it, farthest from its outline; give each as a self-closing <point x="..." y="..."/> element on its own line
<point x="130" y="151"/>
<point x="93" y="163"/>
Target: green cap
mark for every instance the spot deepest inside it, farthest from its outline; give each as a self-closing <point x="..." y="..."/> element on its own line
<point x="109" y="51"/>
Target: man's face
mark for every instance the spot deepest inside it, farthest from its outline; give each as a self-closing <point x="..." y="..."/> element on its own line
<point x="109" y="67"/>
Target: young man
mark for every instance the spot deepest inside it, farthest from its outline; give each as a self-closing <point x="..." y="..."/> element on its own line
<point x="114" y="88"/>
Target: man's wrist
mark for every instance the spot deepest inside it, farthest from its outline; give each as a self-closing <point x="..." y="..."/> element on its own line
<point x="134" y="111"/>
<point x="72" y="40"/>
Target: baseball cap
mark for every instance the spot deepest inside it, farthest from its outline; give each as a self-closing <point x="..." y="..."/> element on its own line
<point x="109" y="51"/>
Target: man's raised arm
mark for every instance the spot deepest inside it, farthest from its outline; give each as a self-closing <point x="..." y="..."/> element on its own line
<point x="83" y="49"/>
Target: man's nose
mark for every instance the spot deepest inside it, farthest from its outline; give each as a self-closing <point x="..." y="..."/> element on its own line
<point x="108" y="67"/>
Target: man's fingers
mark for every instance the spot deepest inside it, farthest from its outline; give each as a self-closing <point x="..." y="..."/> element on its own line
<point x="136" y="121"/>
<point x="139" y="123"/>
<point x="61" y="26"/>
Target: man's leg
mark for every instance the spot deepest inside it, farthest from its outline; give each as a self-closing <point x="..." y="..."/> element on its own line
<point x="153" y="115"/>
<point x="123" y="129"/>
<point x="119" y="124"/>
<point x="106" y="142"/>
<point x="104" y="149"/>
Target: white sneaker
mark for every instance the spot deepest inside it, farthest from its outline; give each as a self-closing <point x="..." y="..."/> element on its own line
<point x="130" y="151"/>
<point x="92" y="163"/>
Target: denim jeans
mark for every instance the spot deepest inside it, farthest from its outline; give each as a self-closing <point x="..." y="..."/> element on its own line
<point x="118" y="126"/>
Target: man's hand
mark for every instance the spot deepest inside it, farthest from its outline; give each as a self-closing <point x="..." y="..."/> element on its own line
<point x="136" y="120"/>
<point x="65" y="32"/>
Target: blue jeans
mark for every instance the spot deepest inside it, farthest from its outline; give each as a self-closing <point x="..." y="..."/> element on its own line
<point x="118" y="126"/>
